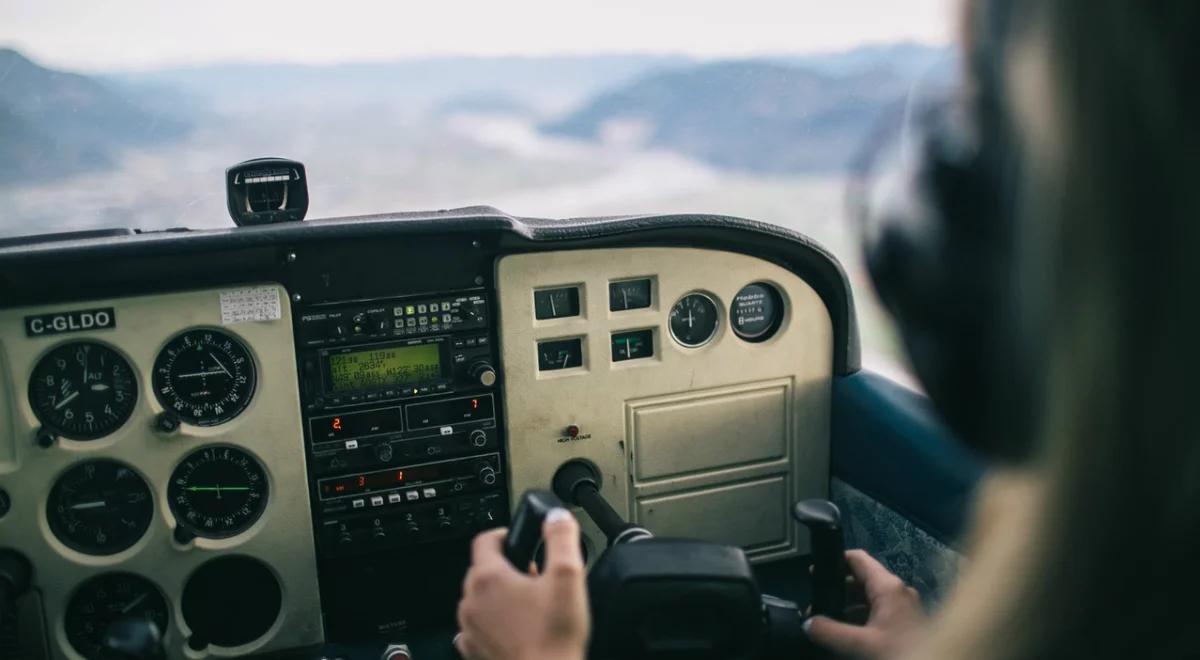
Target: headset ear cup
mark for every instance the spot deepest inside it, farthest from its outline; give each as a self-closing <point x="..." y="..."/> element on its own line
<point x="926" y="252"/>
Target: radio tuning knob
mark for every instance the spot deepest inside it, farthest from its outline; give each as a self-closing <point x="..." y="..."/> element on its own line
<point x="478" y="438"/>
<point x="487" y="475"/>
<point x="483" y="372"/>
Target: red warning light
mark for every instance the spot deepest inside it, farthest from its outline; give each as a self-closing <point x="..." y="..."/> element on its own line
<point x="474" y="404"/>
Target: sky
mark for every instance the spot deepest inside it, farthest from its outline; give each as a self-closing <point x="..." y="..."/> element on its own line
<point x="108" y="35"/>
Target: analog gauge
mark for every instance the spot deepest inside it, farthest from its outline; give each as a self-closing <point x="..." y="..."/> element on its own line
<point x="556" y="303"/>
<point x="756" y="312"/>
<point x="694" y="320"/>
<point x="204" y="376"/>
<point x="217" y="492"/>
<point x="560" y="354"/>
<point x="629" y="294"/>
<point x="82" y="390"/>
<point x="632" y="345"/>
<point x="104" y="599"/>
<point x="99" y="507"/>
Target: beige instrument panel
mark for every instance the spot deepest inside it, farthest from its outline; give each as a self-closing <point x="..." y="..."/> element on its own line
<point x="268" y="429"/>
<point x="714" y="442"/>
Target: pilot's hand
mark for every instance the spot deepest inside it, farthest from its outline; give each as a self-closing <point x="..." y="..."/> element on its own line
<point x="894" y="621"/>
<point x="508" y="615"/>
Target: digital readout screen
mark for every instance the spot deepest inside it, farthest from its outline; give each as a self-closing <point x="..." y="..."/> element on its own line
<point x="366" y="483"/>
<point x="384" y="367"/>
<point x="357" y="425"/>
<point x="448" y="413"/>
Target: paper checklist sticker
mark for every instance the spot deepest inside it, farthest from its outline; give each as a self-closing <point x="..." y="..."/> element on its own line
<point x="259" y="303"/>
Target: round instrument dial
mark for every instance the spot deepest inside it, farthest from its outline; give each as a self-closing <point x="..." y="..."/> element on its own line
<point x="756" y="312"/>
<point x="99" y="507"/>
<point x="218" y="492"/>
<point x="82" y="390"/>
<point x="104" y="599"/>
<point x="204" y="376"/>
<point x="694" y="320"/>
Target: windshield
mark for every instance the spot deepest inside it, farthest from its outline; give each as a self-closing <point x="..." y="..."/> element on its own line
<point x="126" y="114"/>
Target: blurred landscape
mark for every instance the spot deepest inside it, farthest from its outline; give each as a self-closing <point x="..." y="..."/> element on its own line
<point x="766" y="138"/>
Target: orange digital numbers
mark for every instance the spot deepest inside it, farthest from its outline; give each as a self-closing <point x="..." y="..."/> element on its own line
<point x="337" y="423"/>
<point x="362" y="481"/>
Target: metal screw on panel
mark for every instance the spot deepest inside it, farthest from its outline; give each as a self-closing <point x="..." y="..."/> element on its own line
<point x="476" y="244"/>
<point x="291" y="257"/>
<point x="478" y="280"/>
<point x="295" y="297"/>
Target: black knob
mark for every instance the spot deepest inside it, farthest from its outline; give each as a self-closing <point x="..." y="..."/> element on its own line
<point x="483" y="372"/>
<point x="824" y="523"/>
<point x="132" y="638"/>
<point x="478" y="438"/>
<point x="396" y="652"/>
<point x="384" y="452"/>
<point x="167" y="422"/>
<point x="487" y="475"/>
<point x="45" y="438"/>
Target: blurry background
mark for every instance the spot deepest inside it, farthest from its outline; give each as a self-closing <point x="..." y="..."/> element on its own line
<point x="126" y="113"/>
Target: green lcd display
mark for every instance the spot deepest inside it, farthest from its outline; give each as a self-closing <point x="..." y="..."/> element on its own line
<point x="384" y="367"/>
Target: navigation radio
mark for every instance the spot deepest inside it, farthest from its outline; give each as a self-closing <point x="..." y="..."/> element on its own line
<point x="401" y="406"/>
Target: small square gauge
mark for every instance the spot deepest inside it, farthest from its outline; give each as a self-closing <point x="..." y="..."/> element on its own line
<point x="632" y="345"/>
<point x="628" y="294"/>
<point x="556" y="303"/>
<point x="558" y="354"/>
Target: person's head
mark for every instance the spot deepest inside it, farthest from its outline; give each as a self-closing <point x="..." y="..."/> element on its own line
<point x="1089" y="337"/>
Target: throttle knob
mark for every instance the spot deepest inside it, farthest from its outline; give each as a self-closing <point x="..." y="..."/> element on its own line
<point x="483" y="372"/>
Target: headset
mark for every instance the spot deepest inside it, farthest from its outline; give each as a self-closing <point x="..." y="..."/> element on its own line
<point x="937" y="211"/>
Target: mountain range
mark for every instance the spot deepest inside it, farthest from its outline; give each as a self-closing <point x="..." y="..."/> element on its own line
<point x="54" y="123"/>
<point x="780" y="114"/>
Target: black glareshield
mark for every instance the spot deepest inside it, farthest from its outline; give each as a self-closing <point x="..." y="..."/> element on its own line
<point x="525" y="534"/>
<point x="267" y="190"/>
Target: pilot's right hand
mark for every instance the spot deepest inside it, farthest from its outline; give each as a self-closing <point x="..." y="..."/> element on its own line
<point x="508" y="615"/>
<point x="896" y="615"/>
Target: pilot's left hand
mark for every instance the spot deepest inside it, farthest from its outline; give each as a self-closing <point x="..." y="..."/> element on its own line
<point x="508" y="615"/>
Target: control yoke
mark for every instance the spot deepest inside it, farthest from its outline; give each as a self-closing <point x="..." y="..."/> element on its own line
<point x="658" y="598"/>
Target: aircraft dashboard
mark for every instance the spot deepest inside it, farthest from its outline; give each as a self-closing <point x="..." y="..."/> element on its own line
<point x="269" y="440"/>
